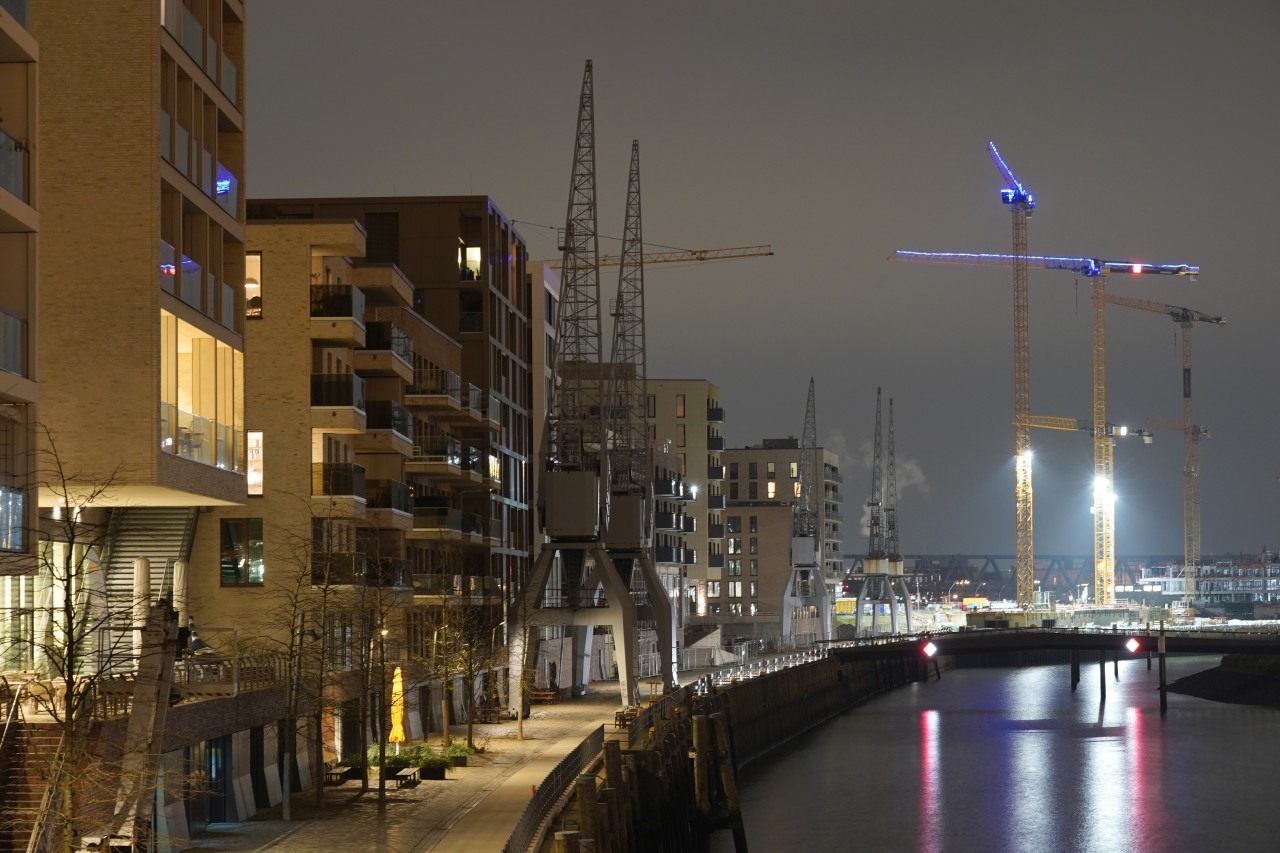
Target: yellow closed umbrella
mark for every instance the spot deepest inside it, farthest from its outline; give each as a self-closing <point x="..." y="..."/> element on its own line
<point x="397" y="710"/>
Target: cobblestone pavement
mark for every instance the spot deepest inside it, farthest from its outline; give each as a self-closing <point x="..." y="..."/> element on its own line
<point x="474" y="809"/>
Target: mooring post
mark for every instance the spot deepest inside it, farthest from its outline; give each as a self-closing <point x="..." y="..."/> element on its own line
<point x="1115" y="660"/>
<point x="1075" y="669"/>
<point x="587" y="807"/>
<point x="1102" y="673"/>
<point x="937" y="670"/>
<point x="1164" y="692"/>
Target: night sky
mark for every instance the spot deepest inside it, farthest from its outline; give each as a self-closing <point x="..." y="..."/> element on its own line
<point x="839" y="132"/>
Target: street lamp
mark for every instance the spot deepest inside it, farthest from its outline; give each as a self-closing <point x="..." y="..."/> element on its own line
<point x="382" y="720"/>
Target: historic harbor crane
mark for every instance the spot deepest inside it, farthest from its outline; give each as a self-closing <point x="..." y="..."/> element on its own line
<point x="1192" y="433"/>
<point x="883" y="581"/>
<point x="805" y="596"/>
<point x="1097" y="271"/>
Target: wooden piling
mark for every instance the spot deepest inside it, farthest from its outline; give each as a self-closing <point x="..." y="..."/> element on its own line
<point x="586" y="792"/>
<point x="1164" y="688"/>
<point x="1102" y="673"/>
<point x="1075" y="669"/>
<point x="568" y="842"/>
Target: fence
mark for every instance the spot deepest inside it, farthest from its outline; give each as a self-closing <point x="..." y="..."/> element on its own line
<point x="548" y="794"/>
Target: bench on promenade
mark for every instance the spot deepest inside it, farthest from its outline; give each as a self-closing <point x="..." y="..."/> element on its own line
<point x="407" y="776"/>
<point x="336" y="775"/>
<point x="545" y="696"/>
<point x="489" y="713"/>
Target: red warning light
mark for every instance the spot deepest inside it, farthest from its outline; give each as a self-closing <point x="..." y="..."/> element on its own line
<point x="1137" y="269"/>
<point x="1132" y="645"/>
<point x="930" y="650"/>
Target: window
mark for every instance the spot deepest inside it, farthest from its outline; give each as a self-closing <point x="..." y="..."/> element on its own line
<point x="651" y="404"/>
<point x="733" y="491"/>
<point x="772" y="489"/>
<point x="338" y="637"/>
<point x="680" y="459"/>
<point x="795" y="468"/>
<point x="771" y="470"/>
<point x="752" y="491"/>
<point x="679" y="405"/>
<point x="752" y="525"/>
<point x="754" y="566"/>
<point x="733" y="470"/>
<point x="253" y="463"/>
<point x="713" y="589"/>
<point x="735" y="589"/>
<point x="735" y="608"/>
<point x="679" y="435"/>
<point x="253" y="284"/>
<point x="754" y="609"/>
<point x="754" y="545"/>
<point x="242" y="551"/>
<point x="752" y="471"/>
<point x="754" y="587"/>
<point x="735" y="545"/>
<point x="469" y="263"/>
<point x="735" y="567"/>
<point x="735" y="524"/>
<point x="713" y="608"/>
<point x="795" y="488"/>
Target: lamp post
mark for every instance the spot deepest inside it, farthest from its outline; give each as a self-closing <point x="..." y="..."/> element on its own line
<point x="382" y="720"/>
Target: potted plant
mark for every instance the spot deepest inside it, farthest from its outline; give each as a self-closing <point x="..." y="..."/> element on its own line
<point x="458" y="753"/>
<point x="393" y="763"/>
<point x="432" y="765"/>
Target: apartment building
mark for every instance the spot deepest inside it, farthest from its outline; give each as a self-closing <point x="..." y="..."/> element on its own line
<point x="467" y="264"/>
<point x="19" y="275"/>
<point x="687" y="413"/>
<point x="763" y="485"/>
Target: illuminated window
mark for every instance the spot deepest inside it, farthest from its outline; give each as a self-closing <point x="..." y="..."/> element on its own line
<point x="201" y="396"/>
<point x="771" y="470"/>
<point x="679" y="405"/>
<point x="735" y="545"/>
<point x="795" y="487"/>
<point x="754" y="545"/>
<point x="735" y="608"/>
<point x="253" y="462"/>
<point x="253" y="284"/>
<point x="795" y="469"/>
<point x="713" y="589"/>
<point x="772" y="490"/>
<point x="735" y="567"/>
<point x="241" y="562"/>
<point x="752" y="525"/>
<point x="754" y="609"/>
<point x="469" y="263"/>
<point x="754" y="586"/>
<point x="735" y="589"/>
<point x="754" y="566"/>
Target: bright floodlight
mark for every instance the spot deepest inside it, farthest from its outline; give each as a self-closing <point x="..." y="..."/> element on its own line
<point x="930" y="650"/>
<point x="1137" y="269"/>
<point x="1132" y="645"/>
<point x="1124" y="430"/>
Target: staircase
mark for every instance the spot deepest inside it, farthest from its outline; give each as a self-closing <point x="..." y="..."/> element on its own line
<point x="162" y="534"/>
<point x="24" y="768"/>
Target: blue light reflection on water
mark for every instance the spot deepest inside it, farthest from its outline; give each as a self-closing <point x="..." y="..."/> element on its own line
<point x="1013" y="760"/>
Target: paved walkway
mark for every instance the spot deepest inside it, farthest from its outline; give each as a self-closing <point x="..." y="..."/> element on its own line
<point x="473" y="810"/>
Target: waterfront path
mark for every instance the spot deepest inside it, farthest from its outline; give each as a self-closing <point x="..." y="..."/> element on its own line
<point x="473" y="810"/>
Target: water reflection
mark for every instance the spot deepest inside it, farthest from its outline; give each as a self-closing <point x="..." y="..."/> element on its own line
<point x="1013" y="760"/>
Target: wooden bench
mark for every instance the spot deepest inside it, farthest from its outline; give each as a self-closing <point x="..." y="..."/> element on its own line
<point x="547" y="696"/>
<point x="489" y="713"/>
<point x="407" y="776"/>
<point x="336" y="775"/>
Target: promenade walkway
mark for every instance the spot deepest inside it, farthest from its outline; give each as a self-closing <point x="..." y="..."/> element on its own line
<point x="473" y="810"/>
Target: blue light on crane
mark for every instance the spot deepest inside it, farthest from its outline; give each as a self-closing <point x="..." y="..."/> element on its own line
<point x="1016" y="193"/>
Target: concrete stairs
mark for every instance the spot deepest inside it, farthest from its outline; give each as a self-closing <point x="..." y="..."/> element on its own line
<point x="25" y="759"/>
<point x="161" y="534"/>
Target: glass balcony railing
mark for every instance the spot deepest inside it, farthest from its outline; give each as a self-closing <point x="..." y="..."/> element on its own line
<point x="181" y="158"/>
<point x="438" y="449"/>
<point x="13" y="166"/>
<point x="13" y="508"/>
<point x="211" y="56"/>
<point x="435" y="380"/>
<point x="493" y="409"/>
<point x="168" y="267"/>
<point x="337" y="390"/>
<point x="13" y="344"/>
<point x="473" y="399"/>
<point x="190" y="282"/>
<point x="166" y="136"/>
<point x="388" y="414"/>
<point x="16" y="8"/>
<point x="334" y="479"/>
<point x="337" y="300"/>
<point x="385" y="335"/>
<point x="206" y="172"/>
<point x="437" y="518"/>
<point x="228" y="77"/>
<point x="192" y="35"/>
<point x="471" y="321"/>
<point x="226" y="190"/>
<point x="169" y="15"/>
<point x="389" y="494"/>
<point x="230" y="317"/>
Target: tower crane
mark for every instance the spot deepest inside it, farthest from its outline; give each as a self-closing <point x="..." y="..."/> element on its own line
<point x="576" y="485"/>
<point x="805" y="595"/>
<point x="1021" y="204"/>
<point x="1191" y="434"/>
<point x="670" y="256"/>
<point x="1104" y="497"/>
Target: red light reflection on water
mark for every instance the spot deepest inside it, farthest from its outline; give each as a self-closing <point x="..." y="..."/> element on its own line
<point x="930" y="821"/>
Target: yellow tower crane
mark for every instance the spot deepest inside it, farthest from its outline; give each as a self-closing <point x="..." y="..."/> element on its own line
<point x="1097" y="270"/>
<point x="1192" y="433"/>
<point x="670" y="256"/>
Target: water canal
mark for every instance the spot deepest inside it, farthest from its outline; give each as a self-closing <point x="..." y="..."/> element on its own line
<point x="1012" y="760"/>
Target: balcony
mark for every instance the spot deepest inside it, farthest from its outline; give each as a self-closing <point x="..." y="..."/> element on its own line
<point x="690" y="557"/>
<point x="389" y="429"/>
<point x="388" y="351"/>
<point x="715" y="561"/>
<point x="430" y="521"/>
<point x="16" y="8"/>
<point x="715" y="443"/>
<point x="436" y="390"/>
<point x="493" y="412"/>
<point x="337" y="568"/>
<point x="715" y="502"/>
<point x="667" y="521"/>
<point x="337" y="315"/>
<point x="668" y="554"/>
<point x="715" y="414"/>
<point x="202" y="440"/>
<point x="670" y="488"/>
<point x="715" y="531"/>
<point x="690" y="524"/>
<point x="715" y="472"/>
<point x="337" y="403"/>
<point x="832" y="476"/>
<point x="474" y="588"/>
<point x="13" y="344"/>
<point x="438" y="457"/>
<point x="338" y="489"/>
<point x="13" y="516"/>
<point x="14" y="167"/>
<point x="226" y="191"/>
<point x="390" y="504"/>
<point x="228" y="76"/>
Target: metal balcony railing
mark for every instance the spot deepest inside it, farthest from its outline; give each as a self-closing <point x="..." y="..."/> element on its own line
<point x="335" y="479"/>
<point x="337" y="390"/>
<point x="337" y="300"/>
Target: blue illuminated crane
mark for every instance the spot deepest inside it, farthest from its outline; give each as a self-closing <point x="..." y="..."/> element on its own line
<point x="1103" y="461"/>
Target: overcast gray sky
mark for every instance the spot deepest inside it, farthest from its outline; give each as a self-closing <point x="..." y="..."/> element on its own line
<point x="839" y="132"/>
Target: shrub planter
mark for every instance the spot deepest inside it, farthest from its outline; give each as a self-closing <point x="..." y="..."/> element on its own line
<point x="436" y="773"/>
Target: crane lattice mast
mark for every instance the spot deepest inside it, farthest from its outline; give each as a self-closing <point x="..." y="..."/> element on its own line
<point x="629" y="419"/>
<point x="1021" y="204"/>
<point x="804" y="519"/>
<point x="875" y="523"/>
<point x="893" y="547"/>
<point x="1191" y="436"/>
<point x="1103" y="453"/>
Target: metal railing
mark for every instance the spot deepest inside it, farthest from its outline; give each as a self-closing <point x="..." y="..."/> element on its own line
<point x="546" y="795"/>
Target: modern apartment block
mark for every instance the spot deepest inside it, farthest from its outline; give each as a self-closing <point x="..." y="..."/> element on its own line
<point x="687" y="413"/>
<point x="19" y="275"/>
<point x="467" y="264"/>
<point x="763" y="485"/>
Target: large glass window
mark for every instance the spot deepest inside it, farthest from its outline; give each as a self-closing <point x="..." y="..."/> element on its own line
<point x="201" y="402"/>
<point x="735" y="524"/>
<point x="253" y="284"/>
<point x="242" y="562"/>
<point x="253" y="462"/>
<point x="771" y="489"/>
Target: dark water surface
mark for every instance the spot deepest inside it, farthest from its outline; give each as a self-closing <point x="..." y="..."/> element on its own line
<point x="1012" y="760"/>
